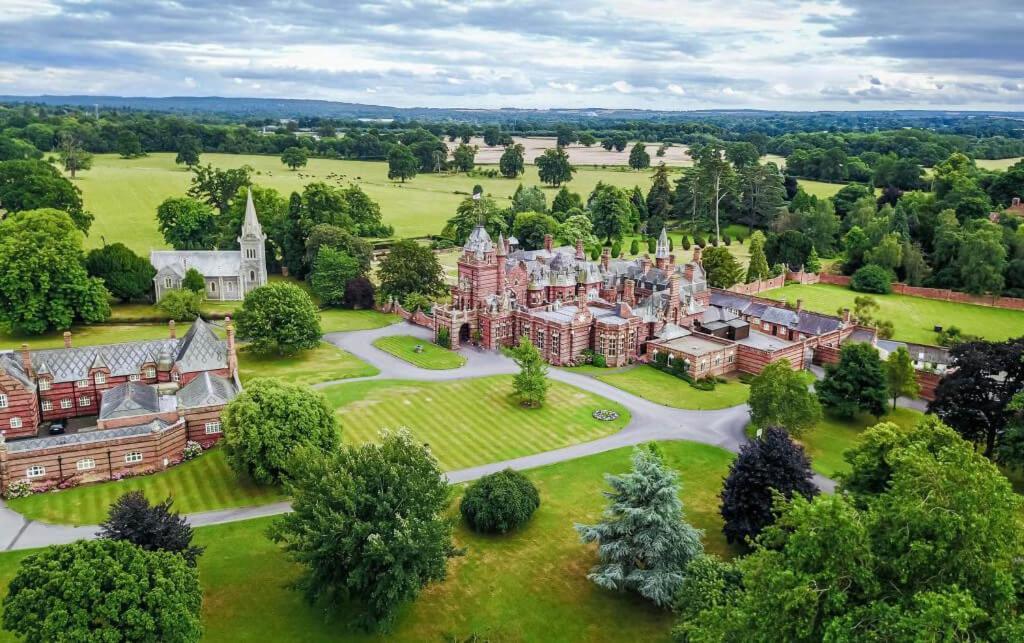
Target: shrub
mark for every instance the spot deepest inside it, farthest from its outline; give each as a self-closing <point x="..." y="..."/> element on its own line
<point x="415" y="301"/>
<point x="499" y="502"/>
<point x="652" y="245"/>
<point x="698" y="240"/>
<point x="599" y="360"/>
<point x="616" y="249"/>
<point x="192" y="450"/>
<point x="18" y="489"/>
<point x="181" y="304"/>
<point x="359" y="294"/>
<point x="686" y="242"/>
<point x="872" y="278"/>
<point x="193" y="281"/>
<point x="595" y="253"/>
<point x="726" y="239"/>
<point x="444" y="337"/>
<point x="634" y="247"/>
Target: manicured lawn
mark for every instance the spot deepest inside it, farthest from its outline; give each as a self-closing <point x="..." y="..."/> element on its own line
<point x="430" y="356"/>
<point x="322" y="364"/>
<point x="652" y="384"/>
<point x="820" y="188"/>
<point x="203" y="484"/>
<point x="92" y="335"/>
<point x="337" y="320"/>
<point x="472" y="421"/>
<point x="913" y="318"/>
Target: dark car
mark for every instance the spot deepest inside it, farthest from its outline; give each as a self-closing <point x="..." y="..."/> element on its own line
<point x="56" y="428"/>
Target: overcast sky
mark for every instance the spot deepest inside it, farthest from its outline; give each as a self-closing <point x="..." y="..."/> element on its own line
<point x="684" y="54"/>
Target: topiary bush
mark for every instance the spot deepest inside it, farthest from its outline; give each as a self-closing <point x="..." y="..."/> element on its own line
<point x="499" y="502"/>
<point x="698" y="240"/>
<point x="872" y="278"/>
<point x="634" y="247"/>
<point x="616" y="249"/>
<point x="686" y="242"/>
<point x="726" y="239"/>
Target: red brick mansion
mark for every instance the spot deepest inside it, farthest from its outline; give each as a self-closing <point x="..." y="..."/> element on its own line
<point x="624" y="310"/>
<point x="127" y="407"/>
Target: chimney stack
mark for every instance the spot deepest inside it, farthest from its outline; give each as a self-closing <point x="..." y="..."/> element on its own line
<point x="172" y="330"/>
<point x="26" y="360"/>
<point x="67" y="339"/>
<point x="549" y="242"/>
<point x="627" y="292"/>
<point x="799" y="305"/>
<point x="580" y="255"/>
<point x="645" y="263"/>
<point x="696" y="254"/>
<point x="671" y="260"/>
<point x="232" y="356"/>
<point x="606" y="255"/>
<point x="846" y="315"/>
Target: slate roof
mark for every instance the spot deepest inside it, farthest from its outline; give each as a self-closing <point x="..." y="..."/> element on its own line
<point x="11" y="364"/>
<point x="210" y="263"/>
<point x="918" y="352"/>
<point x="201" y="350"/>
<point x="803" y="321"/>
<point x="206" y="390"/>
<point x="86" y="437"/>
<point x="129" y="399"/>
<point x="479" y="241"/>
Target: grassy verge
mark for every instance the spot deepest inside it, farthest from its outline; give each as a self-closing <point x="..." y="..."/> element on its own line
<point x="203" y="484"/>
<point x="472" y="421"/>
<point x="430" y="355"/>
<point x="322" y="364"/>
<point x="651" y="384"/>
<point x="913" y="318"/>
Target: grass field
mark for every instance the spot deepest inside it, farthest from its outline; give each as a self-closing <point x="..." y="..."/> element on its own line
<point x="203" y="484"/>
<point x="913" y="318"/>
<point x="526" y="586"/>
<point x="820" y="188"/>
<point x="322" y="364"/>
<point x="827" y="442"/>
<point x="431" y="355"/>
<point x="471" y="421"/>
<point x="998" y="164"/>
<point x="651" y="384"/>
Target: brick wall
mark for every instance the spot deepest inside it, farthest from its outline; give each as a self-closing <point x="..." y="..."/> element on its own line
<point x="21" y="404"/>
<point x="941" y="294"/>
<point x="927" y="383"/>
<point x="836" y="280"/>
<point x="760" y="285"/>
<point x="753" y="360"/>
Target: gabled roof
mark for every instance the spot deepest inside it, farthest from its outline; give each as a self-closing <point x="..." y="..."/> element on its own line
<point x="71" y="364"/>
<point x="201" y="350"/>
<point x="10" y="363"/>
<point x="128" y="400"/>
<point x="210" y="263"/>
<point x="86" y="437"/>
<point x="206" y="390"/>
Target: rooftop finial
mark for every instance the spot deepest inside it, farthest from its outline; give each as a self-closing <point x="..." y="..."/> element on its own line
<point x="661" y="251"/>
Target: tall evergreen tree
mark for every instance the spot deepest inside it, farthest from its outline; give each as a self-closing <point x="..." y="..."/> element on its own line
<point x="644" y="541"/>
<point x="771" y="463"/>
<point x="531" y="383"/>
<point x="856" y="383"/>
<point x="659" y="200"/>
<point x="758" y="267"/>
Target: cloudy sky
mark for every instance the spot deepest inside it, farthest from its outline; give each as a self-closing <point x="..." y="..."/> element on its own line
<point x="657" y="54"/>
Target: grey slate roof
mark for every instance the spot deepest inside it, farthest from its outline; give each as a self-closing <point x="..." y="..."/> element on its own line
<point x="129" y="399"/>
<point x="70" y="364"/>
<point x="201" y="350"/>
<point x="918" y="352"/>
<point x="11" y="364"/>
<point x="804" y="321"/>
<point x="210" y="263"/>
<point x="479" y="241"/>
<point x="206" y="390"/>
<point x="86" y="437"/>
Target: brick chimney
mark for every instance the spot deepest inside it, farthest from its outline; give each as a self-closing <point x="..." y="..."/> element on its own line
<point x="645" y="263"/>
<point x="671" y="260"/>
<point x="170" y="328"/>
<point x="232" y="355"/>
<point x="846" y="315"/>
<point x="606" y="256"/>
<point x="67" y="339"/>
<point x="674" y="288"/>
<point x="26" y="360"/>
<point x="580" y="255"/>
<point x="627" y="292"/>
<point x="549" y="242"/>
<point x="799" y="305"/>
<point x="696" y="254"/>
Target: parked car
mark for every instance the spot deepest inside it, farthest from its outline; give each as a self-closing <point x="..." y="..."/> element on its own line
<point x="57" y="428"/>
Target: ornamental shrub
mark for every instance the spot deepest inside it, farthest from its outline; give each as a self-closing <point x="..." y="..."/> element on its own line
<point x="616" y="249"/>
<point x="634" y="247"/>
<point x="444" y="337"/>
<point x="686" y="242"/>
<point x="499" y="502"/>
<point x="698" y="240"/>
<point x="599" y="360"/>
<point x="872" y="278"/>
<point x="181" y="304"/>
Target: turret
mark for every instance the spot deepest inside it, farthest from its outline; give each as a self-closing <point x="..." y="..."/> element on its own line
<point x="500" y="256"/>
<point x="661" y="253"/>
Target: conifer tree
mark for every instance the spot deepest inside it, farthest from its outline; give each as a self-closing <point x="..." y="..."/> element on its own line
<point x="644" y="541"/>
<point x="813" y="261"/>
<point x="531" y="383"/>
<point x="758" y="268"/>
<point x="856" y="383"/>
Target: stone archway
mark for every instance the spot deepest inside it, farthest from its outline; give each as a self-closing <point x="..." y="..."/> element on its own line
<point x="464" y="333"/>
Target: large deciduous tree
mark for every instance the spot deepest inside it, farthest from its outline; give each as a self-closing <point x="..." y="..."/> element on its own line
<point x="530" y="384"/>
<point x="151" y="527"/>
<point x="512" y="164"/>
<point x="464" y="158"/>
<point x="281" y="318"/>
<point x="73" y="156"/>
<point x="189" y="148"/>
<point x="332" y="271"/>
<point x="402" y="165"/>
<point x="187" y="223"/>
<point x="639" y="159"/>
<point x="269" y="421"/>
<point x="553" y="167"/>
<point x="104" y="590"/>
<point x="218" y="187"/>
<point x="43" y="281"/>
<point x="611" y="211"/>
<point x="367" y="525"/>
<point x="975" y="391"/>
<point x="410" y="268"/>
<point x="295" y="157"/>
<point x="644" y="542"/>
<point x="779" y="396"/>
<point x="900" y="376"/>
<point x="34" y="184"/>
<point x="768" y="465"/>
<point x="856" y="383"/>
<point x="125" y="274"/>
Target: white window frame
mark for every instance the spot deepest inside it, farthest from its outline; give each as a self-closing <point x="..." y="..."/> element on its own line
<point x="4" y="401"/>
<point x="67" y="403"/>
<point x="35" y="471"/>
<point x="213" y="428"/>
<point x="84" y="400"/>
<point x="133" y="457"/>
<point x="16" y="422"/>
<point x="45" y="384"/>
<point x="133" y="377"/>
<point x="47" y="405"/>
<point x="176" y="376"/>
<point x="101" y="378"/>
<point x="149" y="373"/>
<point x="167" y="282"/>
<point x="85" y="464"/>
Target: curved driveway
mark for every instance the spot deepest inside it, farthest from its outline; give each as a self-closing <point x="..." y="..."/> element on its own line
<point x="650" y="421"/>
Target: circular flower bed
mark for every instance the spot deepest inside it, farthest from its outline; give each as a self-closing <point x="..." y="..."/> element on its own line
<point x="605" y="415"/>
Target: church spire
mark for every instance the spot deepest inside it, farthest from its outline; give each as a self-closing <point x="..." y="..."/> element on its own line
<point x="662" y="249"/>
<point x="251" y="225"/>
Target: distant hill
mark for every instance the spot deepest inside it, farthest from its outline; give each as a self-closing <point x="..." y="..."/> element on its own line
<point x="303" y="108"/>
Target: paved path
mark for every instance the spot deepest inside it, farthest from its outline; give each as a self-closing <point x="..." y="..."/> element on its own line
<point x="649" y="421"/>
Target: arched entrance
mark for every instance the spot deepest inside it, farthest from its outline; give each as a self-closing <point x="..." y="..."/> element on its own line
<point x="464" y="333"/>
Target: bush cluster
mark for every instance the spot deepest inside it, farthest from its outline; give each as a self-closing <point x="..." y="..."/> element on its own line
<point x="499" y="502"/>
<point x="872" y="278"/>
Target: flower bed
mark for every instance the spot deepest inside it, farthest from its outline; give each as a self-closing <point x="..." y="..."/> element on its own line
<point x="605" y="415"/>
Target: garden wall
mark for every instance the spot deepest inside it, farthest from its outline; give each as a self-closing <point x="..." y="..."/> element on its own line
<point x="941" y="294"/>
<point x="760" y="285"/>
<point x="419" y="317"/>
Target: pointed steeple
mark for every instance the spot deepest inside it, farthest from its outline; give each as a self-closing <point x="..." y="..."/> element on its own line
<point x="661" y="251"/>
<point x="251" y="225"/>
<point x="501" y="245"/>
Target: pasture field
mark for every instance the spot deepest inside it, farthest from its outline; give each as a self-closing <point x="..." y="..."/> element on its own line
<point x="820" y="189"/>
<point x="469" y="422"/>
<point x="998" y="164"/>
<point x="124" y="193"/>
<point x="542" y="566"/>
<point x="913" y="318"/>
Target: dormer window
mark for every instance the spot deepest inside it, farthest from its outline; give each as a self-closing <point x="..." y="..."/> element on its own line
<point x="44" y="384"/>
<point x="101" y="378"/>
<point x="149" y="373"/>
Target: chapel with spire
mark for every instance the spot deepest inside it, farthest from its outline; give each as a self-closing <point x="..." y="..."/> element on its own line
<point x="228" y="274"/>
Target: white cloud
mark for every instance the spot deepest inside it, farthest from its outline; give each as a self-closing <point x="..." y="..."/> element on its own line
<point x="676" y="89"/>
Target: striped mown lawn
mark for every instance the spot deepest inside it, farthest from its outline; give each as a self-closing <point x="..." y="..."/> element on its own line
<point x="472" y="421"/>
<point x="325" y="363"/>
<point x="430" y="356"/>
<point x="203" y="484"/>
